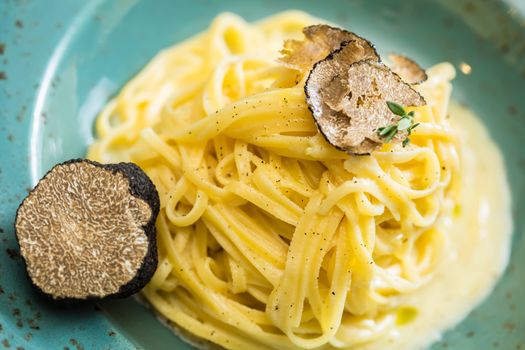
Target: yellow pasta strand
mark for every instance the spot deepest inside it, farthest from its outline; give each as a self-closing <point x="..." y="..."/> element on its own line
<point x="269" y="237"/>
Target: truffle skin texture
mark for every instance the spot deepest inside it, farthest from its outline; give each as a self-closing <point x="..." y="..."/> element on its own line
<point x="141" y="187"/>
<point x="140" y="191"/>
<point x="319" y="41"/>
<point x="407" y="69"/>
<point x="347" y="98"/>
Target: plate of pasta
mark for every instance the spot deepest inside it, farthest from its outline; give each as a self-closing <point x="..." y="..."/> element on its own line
<point x="263" y="175"/>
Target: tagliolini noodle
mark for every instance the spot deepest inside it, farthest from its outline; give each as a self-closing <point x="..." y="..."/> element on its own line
<point x="269" y="237"/>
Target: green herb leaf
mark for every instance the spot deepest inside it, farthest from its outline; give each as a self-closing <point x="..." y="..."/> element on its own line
<point x="396" y="108"/>
<point x="391" y="134"/>
<point x="414" y="126"/>
<point x="404" y="124"/>
<point x="386" y="130"/>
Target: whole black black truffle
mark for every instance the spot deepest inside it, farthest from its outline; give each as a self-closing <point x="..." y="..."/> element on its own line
<point x="87" y="230"/>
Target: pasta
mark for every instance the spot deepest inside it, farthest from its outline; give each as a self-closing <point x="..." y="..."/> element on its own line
<point x="269" y="237"/>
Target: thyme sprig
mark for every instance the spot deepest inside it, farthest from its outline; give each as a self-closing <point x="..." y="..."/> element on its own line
<point x="406" y="122"/>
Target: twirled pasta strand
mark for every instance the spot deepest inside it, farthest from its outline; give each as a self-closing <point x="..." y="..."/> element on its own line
<point x="268" y="236"/>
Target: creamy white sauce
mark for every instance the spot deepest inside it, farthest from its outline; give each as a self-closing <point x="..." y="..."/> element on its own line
<point x="479" y="247"/>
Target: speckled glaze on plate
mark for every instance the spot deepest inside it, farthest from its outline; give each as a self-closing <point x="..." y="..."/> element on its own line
<point x="61" y="60"/>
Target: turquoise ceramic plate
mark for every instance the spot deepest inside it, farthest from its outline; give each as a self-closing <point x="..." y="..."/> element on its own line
<point x="60" y="61"/>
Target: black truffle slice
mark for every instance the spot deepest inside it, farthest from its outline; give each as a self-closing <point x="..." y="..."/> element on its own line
<point x="407" y="69"/>
<point x="87" y="230"/>
<point x="319" y="41"/>
<point x="348" y="100"/>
